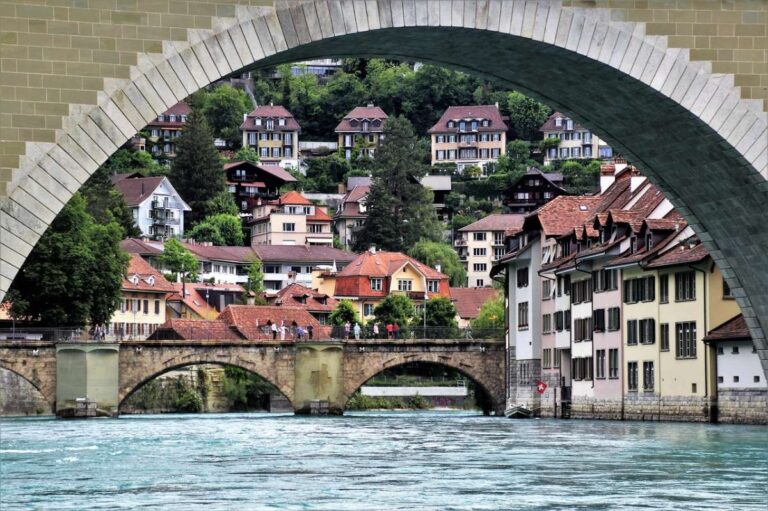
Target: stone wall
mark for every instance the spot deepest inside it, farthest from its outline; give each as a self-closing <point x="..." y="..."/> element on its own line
<point x="19" y="397"/>
<point x="742" y="406"/>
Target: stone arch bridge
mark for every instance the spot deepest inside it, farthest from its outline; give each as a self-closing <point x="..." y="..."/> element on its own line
<point x="678" y="87"/>
<point x="329" y="372"/>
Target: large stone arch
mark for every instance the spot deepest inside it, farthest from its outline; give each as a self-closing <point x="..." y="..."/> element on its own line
<point x="139" y="366"/>
<point x="483" y="365"/>
<point x="34" y="363"/>
<point x="688" y="129"/>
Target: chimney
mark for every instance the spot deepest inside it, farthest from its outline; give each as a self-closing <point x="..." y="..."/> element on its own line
<point x="142" y="189"/>
<point x="607" y="176"/>
<point x="497" y="105"/>
<point x="636" y="180"/>
<point x="620" y="163"/>
<point x="372" y="249"/>
<point x="439" y="268"/>
<point x="370" y="105"/>
<point x="245" y="117"/>
<point x="271" y="103"/>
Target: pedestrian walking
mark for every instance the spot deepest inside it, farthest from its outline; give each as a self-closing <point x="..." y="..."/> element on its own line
<point x="310" y="328"/>
<point x="376" y="330"/>
<point x="282" y="330"/>
<point x="299" y="333"/>
<point x="273" y="327"/>
<point x="395" y="330"/>
<point x="357" y="331"/>
<point x="390" y="329"/>
<point x="347" y="328"/>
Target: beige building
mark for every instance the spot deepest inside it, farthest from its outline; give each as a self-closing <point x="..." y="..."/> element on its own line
<point x="481" y="244"/>
<point x="469" y="136"/>
<point x="274" y="133"/>
<point x="351" y="215"/>
<point x="362" y="127"/>
<point x="574" y="140"/>
<point x="290" y="220"/>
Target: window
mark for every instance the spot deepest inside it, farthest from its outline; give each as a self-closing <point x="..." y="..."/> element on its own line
<point x="546" y="358"/>
<point x="685" y="286"/>
<point x="157" y="306"/>
<point x="559" y="321"/>
<point x="639" y="290"/>
<point x="281" y="121"/>
<point x="375" y="284"/>
<point x="647" y="331"/>
<point x="546" y="289"/>
<point x="664" y="329"/>
<point x="664" y="288"/>
<point x="632" y="331"/>
<point x="613" y="363"/>
<point x="479" y="267"/>
<point x="522" y="277"/>
<point x="735" y="379"/>
<point x="720" y="379"/>
<point x="556" y="358"/>
<point x="604" y="280"/>
<point x="368" y="309"/>
<point x="315" y="228"/>
<point x="686" y="339"/>
<point x="598" y="320"/>
<point x="522" y="316"/>
<point x="581" y="291"/>
<point x="289" y="227"/>
<point x="480" y="252"/>
<point x="567" y="320"/>
<point x="404" y="285"/>
<point x="632" y="376"/>
<point x="479" y="283"/>
<point x="433" y="286"/>
<point x="582" y="368"/>
<point x="146" y="306"/>
<point x="726" y="290"/>
<point x="600" y="364"/>
<point x="647" y="376"/>
<point x="614" y="319"/>
<point x="478" y="236"/>
<point x="546" y="323"/>
<point x="582" y="329"/>
<point x="756" y="379"/>
<point x="720" y="350"/>
<point x="735" y="350"/>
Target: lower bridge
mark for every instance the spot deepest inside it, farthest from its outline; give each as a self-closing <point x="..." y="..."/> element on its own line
<point x="311" y="375"/>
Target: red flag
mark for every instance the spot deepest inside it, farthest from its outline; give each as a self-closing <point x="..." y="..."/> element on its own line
<point x="541" y="387"/>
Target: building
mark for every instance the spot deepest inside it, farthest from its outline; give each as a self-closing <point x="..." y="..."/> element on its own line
<point x="283" y="265"/>
<point x="290" y="220"/>
<point x="143" y="301"/>
<point x="469" y="136"/>
<point x="468" y="301"/>
<point x="296" y="295"/>
<point x="156" y="206"/>
<point x="274" y="133"/>
<point x="374" y="275"/>
<point x="534" y="189"/>
<point x="222" y="264"/>
<point x="481" y="244"/>
<point x="575" y="141"/>
<point x="742" y="391"/>
<point x="351" y="215"/>
<point x="440" y="186"/>
<point x="165" y="129"/>
<point x="361" y="128"/>
<point x="249" y="182"/>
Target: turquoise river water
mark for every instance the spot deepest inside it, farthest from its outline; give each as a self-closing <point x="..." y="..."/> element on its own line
<point x="378" y="461"/>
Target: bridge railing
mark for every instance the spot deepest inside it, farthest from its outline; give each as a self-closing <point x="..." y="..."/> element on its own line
<point x="417" y="332"/>
<point x="49" y="334"/>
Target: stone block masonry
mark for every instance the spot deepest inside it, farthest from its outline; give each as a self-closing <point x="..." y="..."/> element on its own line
<point x="742" y="406"/>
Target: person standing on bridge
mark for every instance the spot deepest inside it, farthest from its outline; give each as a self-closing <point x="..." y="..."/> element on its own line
<point x="347" y="327"/>
<point x="390" y="329"/>
<point x="375" y="329"/>
<point x="274" y="330"/>
<point x="282" y="330"/>
<point x="395" y="330"/>
<point x="310" y="328"/>
<point x="357" y="331"/>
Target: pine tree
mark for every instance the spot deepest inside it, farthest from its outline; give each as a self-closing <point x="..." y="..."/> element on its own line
<point x="400" y="211"/>
<point x="196" y="172"/>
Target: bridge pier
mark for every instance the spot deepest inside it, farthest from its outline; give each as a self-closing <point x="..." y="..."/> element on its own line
<point x="319" y="388"/>
<point x="87" y="370"/>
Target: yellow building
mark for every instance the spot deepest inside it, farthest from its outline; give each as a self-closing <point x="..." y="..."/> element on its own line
<point x="143" y="305"/>
<point x="274" y="133"/>
<point x="362" y="127"/>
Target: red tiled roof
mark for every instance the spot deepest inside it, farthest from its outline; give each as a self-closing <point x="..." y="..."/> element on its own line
<point x="455" y="113"/>
<point x="189" y="329"/>
<point x="272" y="170"/>
<point x="179" y="109"/>
<point x="193" y="299"/>
<point x="549" y="124"/>
<point x="119" y="176"/>
<point x="293" y="198"/>
<point x="360" y="113"/>
<point x="735" y="329"/>
<point x="141" y="247"/>
<point x="629" y="258"/>
<point x="270" y="111"/>
<point x="218" y="253"/>
<point x="383" y="264"/>
<point x="319" y="216"/>
<point x="680" y="254"/>
<point x="664" y="224"/>
<point x="291" y="296"/>
<point x="137" y="190"/>
<point x="144" y="274"/>
<point x="318" y="254"/>
<point x="468" y="301"/>
<point x="351" y="203"/>
<point x="510" y="224"/>
<point x="244" y="318"/>
<point x="563" y="213"/>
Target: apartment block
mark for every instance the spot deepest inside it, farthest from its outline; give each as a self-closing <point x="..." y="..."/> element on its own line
<point x="156" y="206"/>
<point x="573" y="140"/>
<point x="469" y="136"/>
<point x="274" y="133"/>
<point x="290" y="220"/>
<point x="481" y="244"/>
<point x="361" y="130"/>
<point x="165" y="129"/>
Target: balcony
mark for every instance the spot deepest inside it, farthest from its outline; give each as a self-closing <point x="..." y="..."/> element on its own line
<point x="165" y="204"/>
<point x="165" y="220"/>
<point x="463" y="144"/>
<point x="461" y="242"/>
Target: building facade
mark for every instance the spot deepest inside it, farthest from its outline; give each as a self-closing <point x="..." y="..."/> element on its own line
<point x="250" y="182"/>
<point x="361" y="130"/>
<point x="156" y="206"/>
<point x="573" y="140"/>
<point x="534" y="189"/>
<point x="482" y="243"/>
<point x="351" y="215"/>
<point x="274" y="133"/>
<point x="283" y="265"/>
<point x="164" y="130"/>
<point x="469" y="136"/>
<point x="290" y="220"/>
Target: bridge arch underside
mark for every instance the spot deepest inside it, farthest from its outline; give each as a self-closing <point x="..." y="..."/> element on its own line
<point x="485" y="371"/>
<point x="687" y="129"/>
<point x="22" y="393"/>
<point x="142" y="372"/>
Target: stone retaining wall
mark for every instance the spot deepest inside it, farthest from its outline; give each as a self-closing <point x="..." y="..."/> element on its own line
<point x="19" y="397"/>
<point x="742" y="406"/>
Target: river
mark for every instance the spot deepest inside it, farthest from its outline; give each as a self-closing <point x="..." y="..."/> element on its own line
<point x="378" y="461"/>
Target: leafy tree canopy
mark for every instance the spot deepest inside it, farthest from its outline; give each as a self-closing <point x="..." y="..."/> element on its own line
<point x="440" y="312"/>
<point x="433" y="253"/>
<point x="344" y="311"/>
<point x="246" y="154"/>
<point x="220" y="229"/>
<point x="105" y="203"/>
<point x="526" y="115"/>
<point x="128" y="160"/>
<point x="395" y="309"/>
<point x="178" y="259"/>
<point x="491" y="314"/>
<point x="224" y="107"/>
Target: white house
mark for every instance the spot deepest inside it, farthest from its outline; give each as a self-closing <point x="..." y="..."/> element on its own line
<point x="157" y="208"/>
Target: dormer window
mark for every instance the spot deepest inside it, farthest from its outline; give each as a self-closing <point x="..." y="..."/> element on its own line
<point x="578" y="247"/>
<point x="257" y="121"/>
<point x="281" y="121"/>
<point x="376" y="123"/>
<point x="474" y="125"/>
<point x="135" y="280"/>
<point x="648" y="241"/>
<point x="486" y="123"/>
<point x="172" y="118"/>
<point x="183" y="118"/>
<point x="602" y="235"/>
<point x="451" y="124"/>
<point x="151" y="280"/>
<point x="160" y="118"/>
<point x="353" y="123"/>
<point x="633" y="244"/>
<point x="270" y="124"/>
<point x="462" y="125"/>
<point x="558" y="121"/>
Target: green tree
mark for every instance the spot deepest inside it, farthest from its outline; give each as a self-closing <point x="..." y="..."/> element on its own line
<point x="246" y="154"/>
<point x="256" y="281"/>
<point x="395" y="309"/>
<point x="441" y="312"/>
<point x="196" y="171"/>
<point x="127" y="160"/>
<point x="491" y="314"/>
<point x="344" y="311"/>
<point x="224" y="108"/>
<point x="206" y="232"/>
<point x="526" y="115"/>
<point x="221" y="229"/>
<point x="579" y="178"/>
<point x="221" y="204"/>
<point x="105" y="204"/>
<point x="400" y="211"/>
<point x="433" y="254"/>
<point x="75" y="272"/>
<point x="179" y="260"/>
